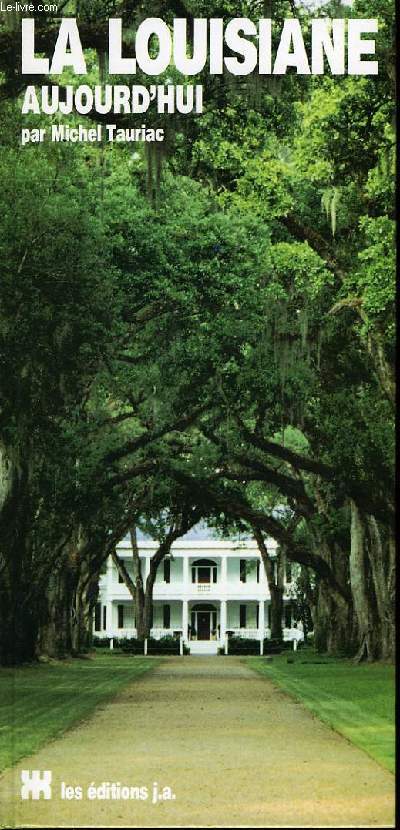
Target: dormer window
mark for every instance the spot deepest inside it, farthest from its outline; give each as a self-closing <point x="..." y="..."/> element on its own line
<point x="204" y="571"/>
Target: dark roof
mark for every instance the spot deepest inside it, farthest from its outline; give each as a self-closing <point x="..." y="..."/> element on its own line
<point x="199" y="533"/>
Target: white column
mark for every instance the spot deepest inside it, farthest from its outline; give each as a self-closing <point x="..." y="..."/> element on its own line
<point x="108" y="603"/>
<point x="109" y="620"/>
<point x="222" y="621"/>
<point x="109" y="576"/>
<point x="268" y="618"/>
<point x="186" y="572"/>
<point x="263" y="577"/>
<point x="224" y="572"/>
<point x="185" y="620"/>
<point x="261" y="620"/>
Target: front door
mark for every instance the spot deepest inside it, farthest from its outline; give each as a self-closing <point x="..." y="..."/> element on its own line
<point x="203" y="625"/>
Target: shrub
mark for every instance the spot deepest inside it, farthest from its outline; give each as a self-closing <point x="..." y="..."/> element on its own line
<point x="101" y="642"/>
<point x="165" y="645"/>
<point x="243" y="645"/>
<point x="131" y="645"/>
<point x="274" y="646"/>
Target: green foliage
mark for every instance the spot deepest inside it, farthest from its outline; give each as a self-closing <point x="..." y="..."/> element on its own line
<point x="376" y="277"/>
<point x="155" y="305"/>
<point x="263" y="188"/>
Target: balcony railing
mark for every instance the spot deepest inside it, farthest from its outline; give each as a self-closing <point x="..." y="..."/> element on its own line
<point x="203" y="587"/>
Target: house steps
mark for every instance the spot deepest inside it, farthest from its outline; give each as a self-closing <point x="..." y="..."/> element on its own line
<point x="206" y="647"/>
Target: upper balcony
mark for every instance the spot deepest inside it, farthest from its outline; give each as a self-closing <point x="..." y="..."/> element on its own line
<point x="188" y="577"/>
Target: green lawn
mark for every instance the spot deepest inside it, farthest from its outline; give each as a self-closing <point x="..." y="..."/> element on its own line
<point x="356" y="700"/>
<point x="41" y="701"/>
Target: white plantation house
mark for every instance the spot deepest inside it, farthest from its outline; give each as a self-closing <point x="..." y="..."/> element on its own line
<point x="204" y="591"/>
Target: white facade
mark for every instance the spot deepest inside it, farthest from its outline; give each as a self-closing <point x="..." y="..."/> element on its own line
<point x="203" y="591"/>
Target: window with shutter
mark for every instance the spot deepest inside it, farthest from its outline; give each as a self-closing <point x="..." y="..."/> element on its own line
<point x="166" y="616"/>
<point x="120" y="616"/>
<point x="167" y="570"/>
<point x="242" y="616"/>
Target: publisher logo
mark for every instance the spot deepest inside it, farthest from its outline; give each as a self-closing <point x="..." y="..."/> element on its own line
<point x="35" y="784"/>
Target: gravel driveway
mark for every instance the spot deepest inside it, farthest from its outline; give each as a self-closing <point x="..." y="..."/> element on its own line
<point x="228" y="747"/>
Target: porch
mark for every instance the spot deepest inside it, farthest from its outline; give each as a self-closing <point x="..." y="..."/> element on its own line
<point x="194" y="621"/>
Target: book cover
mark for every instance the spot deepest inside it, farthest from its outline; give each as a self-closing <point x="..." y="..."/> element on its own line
<point x="197" y="399"/>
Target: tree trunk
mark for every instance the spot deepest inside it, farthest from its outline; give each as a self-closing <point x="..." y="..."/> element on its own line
<point x="275" y="573"/>
<point x="334" y="631"/>
<point x="276" y="612"/>
<point x="380" y="552"/>
<point x="19" y="620"/>
<point x="135" y="585"/>
<point x="138" y="582"/>
<point x="362" y="589"/>
<point x="145" y="598"/>
<point x="82" y="605"/>
<point x="20" y="586"/>
<point x="66" y="618"/>
<point x="333" y="623"/>
<point x="89" y="557"/>
<point x="155" y="561"/>
<point x="372" y="585"/>
<point x="54" y="634"/>
<point x="384" y="371"/>
<point x="147" y="613"/>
